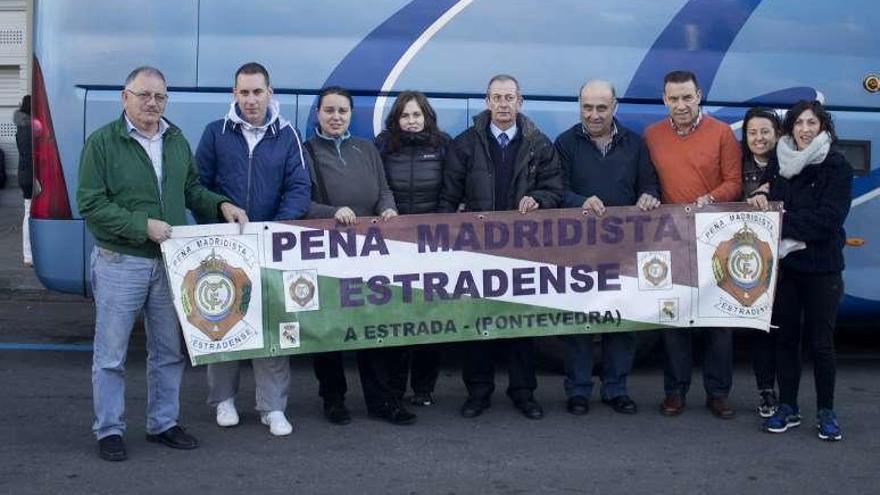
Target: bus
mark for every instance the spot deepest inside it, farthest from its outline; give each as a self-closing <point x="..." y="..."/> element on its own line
<point x="744" y="52"/>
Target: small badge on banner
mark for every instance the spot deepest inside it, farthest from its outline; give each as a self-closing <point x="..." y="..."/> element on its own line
<point x="301" y="291"/>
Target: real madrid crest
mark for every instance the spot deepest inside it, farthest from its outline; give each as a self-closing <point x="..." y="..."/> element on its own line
<point x="655" y="270"/>
<point x="215" y="296"/>
<point x="302" y="291"/>
<point x="743" y="265"/>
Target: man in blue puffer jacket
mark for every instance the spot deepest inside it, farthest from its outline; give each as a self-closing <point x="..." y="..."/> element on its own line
<point x="255" y="157"/>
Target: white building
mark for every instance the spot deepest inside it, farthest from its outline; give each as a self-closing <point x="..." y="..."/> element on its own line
<point x="15" y="56"/>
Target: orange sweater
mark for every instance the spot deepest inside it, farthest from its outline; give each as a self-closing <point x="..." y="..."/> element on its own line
<point x="706" y="161"/>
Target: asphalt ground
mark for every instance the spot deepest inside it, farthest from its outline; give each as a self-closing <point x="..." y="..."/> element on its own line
<point x="46" y="445"/>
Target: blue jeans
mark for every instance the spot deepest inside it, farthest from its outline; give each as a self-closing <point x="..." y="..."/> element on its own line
<point x="617" y="358"/>
<point x="124" y="285"/>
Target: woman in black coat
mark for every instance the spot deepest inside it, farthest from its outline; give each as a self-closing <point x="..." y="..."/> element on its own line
<point x="761" y="130"/>
<point x="22" y="120"/>
<point x="415" y="152"/>
<point x="814" y="183"/>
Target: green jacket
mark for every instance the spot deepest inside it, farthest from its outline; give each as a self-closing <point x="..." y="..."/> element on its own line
<point x="118" y="190"/>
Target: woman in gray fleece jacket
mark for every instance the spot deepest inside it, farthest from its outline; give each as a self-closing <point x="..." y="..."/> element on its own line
<point x="349" y="181"/>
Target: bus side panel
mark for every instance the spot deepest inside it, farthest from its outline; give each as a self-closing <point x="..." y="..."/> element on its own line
<point x="59" y="259"/>
<point x="299" y="42"/>
<point x="830" y="46"/>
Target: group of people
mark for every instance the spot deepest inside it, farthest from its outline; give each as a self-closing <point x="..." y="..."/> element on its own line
<point x="138" y="177"/>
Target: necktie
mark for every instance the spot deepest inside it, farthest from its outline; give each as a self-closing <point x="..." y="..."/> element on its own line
<point x="503" y="140"/>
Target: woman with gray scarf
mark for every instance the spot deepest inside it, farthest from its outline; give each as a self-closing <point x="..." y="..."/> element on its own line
<point x="814" y="183"/>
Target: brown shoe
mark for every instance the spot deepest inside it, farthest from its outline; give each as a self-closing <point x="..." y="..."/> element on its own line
<point x="720" y="407"/>
<point x="672" y="405"/>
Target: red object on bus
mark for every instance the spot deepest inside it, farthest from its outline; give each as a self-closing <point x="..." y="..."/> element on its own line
<point x="50" y="199"/>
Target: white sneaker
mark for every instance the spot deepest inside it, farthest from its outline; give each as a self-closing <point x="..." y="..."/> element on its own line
<point x="277" y="423"/>
<point x="226" y="413"/>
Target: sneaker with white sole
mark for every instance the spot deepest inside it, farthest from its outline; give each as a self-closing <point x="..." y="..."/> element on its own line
<point x="784" y="418"/>
<point x="277" y="423"/>
<point x="226" y="414"/>
<point x="768" y="403"/>
<point x="829" y="428"/>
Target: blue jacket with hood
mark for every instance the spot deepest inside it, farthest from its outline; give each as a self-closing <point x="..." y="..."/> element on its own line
<point x="269" y="183"/>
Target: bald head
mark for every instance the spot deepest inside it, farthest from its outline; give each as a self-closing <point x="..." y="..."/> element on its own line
<point x="598" y="86"/>
<point x="598" y="101"/>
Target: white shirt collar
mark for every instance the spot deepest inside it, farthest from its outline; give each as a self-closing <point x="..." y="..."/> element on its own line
<point x="511" y="132"/>
<point x="163" y="126"/>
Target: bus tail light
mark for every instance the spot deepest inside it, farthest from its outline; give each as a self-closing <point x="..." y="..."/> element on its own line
<point x="50" y="199"/>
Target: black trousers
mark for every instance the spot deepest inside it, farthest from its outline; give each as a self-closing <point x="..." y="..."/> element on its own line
<point x="717" y="361"/>
<point x="330" y="372"/>
<point x="478" y="368"/>
<point x="763" y="358"/>
<point x="380" y="371"/>
<point x="806" y="306"/>
<point x="422" y="369"/>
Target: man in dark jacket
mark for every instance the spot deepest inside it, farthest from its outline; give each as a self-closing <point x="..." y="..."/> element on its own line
<point x="255" y="157"/>
<point x="505" y="163"/>
<point x="136" y="181"/>
<point x="603" y="164"/>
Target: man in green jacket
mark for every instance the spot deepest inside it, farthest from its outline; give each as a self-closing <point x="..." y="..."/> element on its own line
<point x="136" y="180"/>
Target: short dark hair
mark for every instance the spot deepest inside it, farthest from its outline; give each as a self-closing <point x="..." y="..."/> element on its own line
<point x="826" y="123"/>
<point x="144" y="69"/>
<point x="502" y="78"/>
<point x="392" y="122"/>
<point x="680" y="76"/>
<point x="758" y="113"/>
<point x="251" y="68"/>
<point x="335" y="90"/>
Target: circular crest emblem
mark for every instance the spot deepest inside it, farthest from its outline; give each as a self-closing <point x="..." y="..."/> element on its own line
<point x="215" y="296"/>
<point x="655" y="270"/>
<point x="302" y="290"/>
<point x="744" y="265"/>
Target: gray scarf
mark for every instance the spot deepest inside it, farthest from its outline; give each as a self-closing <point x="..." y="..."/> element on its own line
<point x="792" y="160"/>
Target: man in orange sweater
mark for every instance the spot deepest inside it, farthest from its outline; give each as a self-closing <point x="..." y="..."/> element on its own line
<point x="698" y="161"/>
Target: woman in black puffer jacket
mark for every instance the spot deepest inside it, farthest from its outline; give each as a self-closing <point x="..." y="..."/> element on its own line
<point x="814" y="183"/>
<point x="415" y="153"/>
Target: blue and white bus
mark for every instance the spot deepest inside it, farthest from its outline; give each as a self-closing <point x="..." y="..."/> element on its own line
<point x="744" y="52"/>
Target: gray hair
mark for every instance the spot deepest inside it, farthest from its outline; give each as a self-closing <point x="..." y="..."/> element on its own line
<point x="502" y="78"/>
<point x="144" y="69"/>
<point x="599" y="82"/>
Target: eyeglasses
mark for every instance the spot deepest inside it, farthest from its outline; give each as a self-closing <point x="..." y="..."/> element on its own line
<point x="145" y="97"/>
<point x="498" y="98"/>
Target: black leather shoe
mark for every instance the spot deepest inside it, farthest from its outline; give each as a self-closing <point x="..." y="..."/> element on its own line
<point x="530" y="408"/>
<point x="622" y="404"/>
<point x="336" y="412"/>
<point x="474" y="406"/>
<point x="394" y="413"/>
<point x="112" y="448"/>
<point x="577" y="405"/>
<point x="176" y="438"/>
